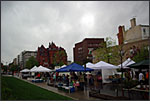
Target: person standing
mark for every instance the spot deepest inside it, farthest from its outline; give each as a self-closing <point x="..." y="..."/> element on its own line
<point x="147" y="77"/>
<point x="99" y="80"/>
<point x="141" y="78"/>
<point x="81" y="81"/>
<point x="67" y="80"/>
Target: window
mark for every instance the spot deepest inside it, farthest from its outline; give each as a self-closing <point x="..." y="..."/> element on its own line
<point x="80" y="48"/>
<point x="144" y="31"/>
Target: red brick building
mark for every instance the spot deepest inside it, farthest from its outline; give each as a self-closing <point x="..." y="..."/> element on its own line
<point x="83" y="50"/>
<point x="51" y="56"/>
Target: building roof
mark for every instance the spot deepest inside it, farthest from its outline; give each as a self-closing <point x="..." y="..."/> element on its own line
<point x="89" y="39"/>
<point x="93" y="39"/>
<point x="144" y="25"/>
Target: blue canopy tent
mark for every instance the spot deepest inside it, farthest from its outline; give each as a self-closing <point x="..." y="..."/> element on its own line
<point x="74" y="68"/>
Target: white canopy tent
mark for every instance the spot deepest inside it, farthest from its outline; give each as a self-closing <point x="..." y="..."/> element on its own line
<point x="106" y="69"/>
<point x="63" y="66"/>
<point x="126" y="63"/>
<point x="25" y="70"/>
<point x="104" y="65"/>
<point x="41" y="69"/>
<point x="58" y="67"/>
<point x="33" y="69"/>
<point x="89" y="65"/>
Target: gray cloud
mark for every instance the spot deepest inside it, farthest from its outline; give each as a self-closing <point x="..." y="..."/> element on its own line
<point x="27" y="25"/>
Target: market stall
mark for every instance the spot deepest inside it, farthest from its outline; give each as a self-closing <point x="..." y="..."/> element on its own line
<point x="41" y="69"/>
<point x="105" y="68"/>
<point x="32" y="71"/>
<point x="73" y="68"/>
<point x="40" y="76"/>
<point x="126" y="63"/>
<point x="25" y="73"/>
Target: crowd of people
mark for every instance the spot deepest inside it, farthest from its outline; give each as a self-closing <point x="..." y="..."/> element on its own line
<point x="76" y="79"/>
<point x="82" y="79"/>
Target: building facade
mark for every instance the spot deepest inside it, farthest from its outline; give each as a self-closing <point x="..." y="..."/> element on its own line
<point x="23" y="57"/>
<point x="133" y="34"/>
<point x="15" y="61"/>
<point x="51" y="56"/>
<point x="26" y="55"/>
<point x="129" y="51"/>
<point x="130" y="41"/>
<point x="20" y="60"/>
<point x="83" y="50"/>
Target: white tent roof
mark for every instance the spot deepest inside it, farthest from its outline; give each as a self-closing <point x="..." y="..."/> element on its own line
<point x="104" y="65"/>
<point x="42" y="69"/>
<point x="58" y="67"/>
<point x="25" y="70"/>
<point x="90" y="65"/>
<point x="127" y="63"/>
<point x="63" y="66"/>
<point x="33" y="68"/>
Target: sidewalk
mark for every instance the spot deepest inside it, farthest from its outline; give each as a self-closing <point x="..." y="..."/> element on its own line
<point x="78" y="95"/>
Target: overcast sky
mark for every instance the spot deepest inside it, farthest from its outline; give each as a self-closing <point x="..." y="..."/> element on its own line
<point x="25" y="25"/>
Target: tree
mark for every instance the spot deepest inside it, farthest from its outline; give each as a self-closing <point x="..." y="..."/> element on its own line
<point x="105" y="51"/>
<point x="58" y="59"/>
<point x="13" y="68"/>
<point x="142" y="54"/>
<point x="4" y="68"/>
<point x="31" y="62"/>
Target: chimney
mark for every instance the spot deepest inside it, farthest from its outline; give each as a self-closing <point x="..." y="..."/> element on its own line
<point x="120" y="34"/>
<point x="123" y="29"/>
<point x="133" y="22"/>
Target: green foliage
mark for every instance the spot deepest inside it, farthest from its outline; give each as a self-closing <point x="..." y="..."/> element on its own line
<point x="58" y="58"/>
<point x="78" y="62"/>
<point x="106" y="52"/>
<point x="14" y="68"/>
<point x="142" y="55"/>
<point x="110" y="42"/>
<point x="4" y="68"/>
<point x="16" y="89"/>
<point x="31" y="62"/>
